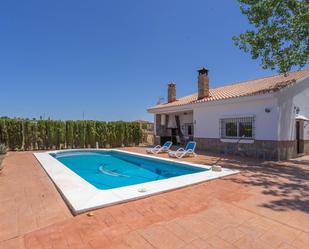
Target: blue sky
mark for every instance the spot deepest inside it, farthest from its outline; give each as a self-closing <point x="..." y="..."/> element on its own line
<point x="113" y="59"/>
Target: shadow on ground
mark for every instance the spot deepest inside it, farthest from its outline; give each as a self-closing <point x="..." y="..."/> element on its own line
<point x="286" y="181"/>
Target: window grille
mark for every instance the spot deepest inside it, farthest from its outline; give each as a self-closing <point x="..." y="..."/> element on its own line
<point x="237" y="127"/>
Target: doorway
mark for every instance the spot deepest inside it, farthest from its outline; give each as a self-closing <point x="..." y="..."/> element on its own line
<point x="300" y="136"/>
<point x="174" y="134"/>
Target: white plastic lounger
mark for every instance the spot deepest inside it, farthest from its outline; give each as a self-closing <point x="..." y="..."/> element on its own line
<point x="160" y="149"/>
<point x="183" y="152"/>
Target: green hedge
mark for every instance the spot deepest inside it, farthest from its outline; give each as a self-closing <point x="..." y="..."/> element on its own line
<point x="24" y="134"/>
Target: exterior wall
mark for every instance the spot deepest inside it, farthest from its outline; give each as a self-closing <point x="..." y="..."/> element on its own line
<point x="263" y="149"/>
<point x="207" y="118"/>
<point x="265" y="144"/>
<point x="155" y="124"/>
<point x="306" y="147"/>
<point x="156" y="138"/>
<point x="188" y="118"/>
<point x="289" y="99"/>
<point x="275" y="134"/>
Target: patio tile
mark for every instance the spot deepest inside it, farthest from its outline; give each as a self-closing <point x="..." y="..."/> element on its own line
<point x="249" y="242"/>
<point x="202" y="244"/>
<point x="253" y="209"/>
<point x="189" y="246"/>
<point x="182" y="232"/>
<point x="16" y="243"/>
<point x="161" y="238"/>
<point x="219" y="243"/>
<point x="197" y="225"/>
<point x="136" y="241"/>
<point x="286" y="246"/>
<point x="231" y="234"/>
<point x="302" y="241"/>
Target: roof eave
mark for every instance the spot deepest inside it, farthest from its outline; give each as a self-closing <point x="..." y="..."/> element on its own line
<point x="190" y="106"/>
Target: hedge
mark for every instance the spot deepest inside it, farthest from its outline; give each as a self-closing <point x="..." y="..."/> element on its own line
<point x="25" y="134"/>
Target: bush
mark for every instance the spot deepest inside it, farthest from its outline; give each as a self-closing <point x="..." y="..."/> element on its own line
<point x="25" y="134"/>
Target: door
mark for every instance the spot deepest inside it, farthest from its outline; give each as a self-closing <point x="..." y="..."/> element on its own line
<point x="299" y="136"/>
<point x="174" y="134"/>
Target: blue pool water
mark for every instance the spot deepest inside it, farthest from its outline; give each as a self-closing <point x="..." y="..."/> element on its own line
<point x="113" y="169"/>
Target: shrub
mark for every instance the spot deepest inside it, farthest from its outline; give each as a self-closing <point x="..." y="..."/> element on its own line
<point x="25" y="134"/>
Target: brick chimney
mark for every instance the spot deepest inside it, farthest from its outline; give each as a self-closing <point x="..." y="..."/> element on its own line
<point x="203" y="83"/>
<point x="171" y="92"/>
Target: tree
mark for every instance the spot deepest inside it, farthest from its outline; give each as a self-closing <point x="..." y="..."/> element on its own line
<point x="280" y="37"/>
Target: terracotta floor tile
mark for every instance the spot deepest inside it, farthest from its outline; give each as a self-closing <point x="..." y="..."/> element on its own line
<point x="231" y="234"/>
<point x="136" y="241"/>
<point x="182" y="232"/>
<point x="251" y="230"/>
<point x="248" y="242"/>
<point x="201" y="244"/>
<point x="286" y="246"/>
<point x="100" y="242"/>
<point x="198" y="225"/>
<point x="189" y="246"/>
<point x="264" y="206"/>
<point x="161" y="238"/>
<point x="16" y="243"/>
<point x="219" y="243"/>
<point x="302" y="241"/>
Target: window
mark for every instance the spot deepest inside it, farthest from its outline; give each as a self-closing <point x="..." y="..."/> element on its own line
<point x="231" y="129"/>
<point x="237" y="127"/>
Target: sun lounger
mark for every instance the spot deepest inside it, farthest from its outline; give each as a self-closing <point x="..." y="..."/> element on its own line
<point x="160" y="149"/>
<point x="184" y="152"/>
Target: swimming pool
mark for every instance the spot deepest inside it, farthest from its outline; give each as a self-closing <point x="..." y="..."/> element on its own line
<point x="114" y="169"/>
<point x="89" y="179"/>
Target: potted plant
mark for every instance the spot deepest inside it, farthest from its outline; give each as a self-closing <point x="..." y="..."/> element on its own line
<point x="3" y="151"/>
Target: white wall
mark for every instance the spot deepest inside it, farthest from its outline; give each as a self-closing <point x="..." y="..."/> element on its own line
<point x="154" y="124"/>
<point x="279" y="124"/>
<point x="288" y="98"/>
<point x="207" y="117"/>
<point x="185" y="119"/>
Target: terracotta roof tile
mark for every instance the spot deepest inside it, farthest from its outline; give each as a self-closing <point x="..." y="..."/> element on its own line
<point x="245" y="88"/>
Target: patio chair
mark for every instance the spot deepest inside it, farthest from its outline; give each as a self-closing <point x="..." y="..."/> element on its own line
<point x="184" y="152"/>
<point x="160" y="149"/>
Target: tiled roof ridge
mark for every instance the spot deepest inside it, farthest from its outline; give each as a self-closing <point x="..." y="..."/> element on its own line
<point x="277" y="87"/>
<point x="262" y="78"/>
<point x="247" y="82"/>
<point x="263" y="85"/>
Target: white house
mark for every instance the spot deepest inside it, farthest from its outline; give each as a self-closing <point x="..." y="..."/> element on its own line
<point x="264" y="118"/>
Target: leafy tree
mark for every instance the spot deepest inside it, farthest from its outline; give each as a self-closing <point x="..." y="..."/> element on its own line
<point x="280" y="37"/>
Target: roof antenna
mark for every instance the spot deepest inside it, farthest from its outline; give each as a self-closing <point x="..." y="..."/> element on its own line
<point x="160" y="100"/>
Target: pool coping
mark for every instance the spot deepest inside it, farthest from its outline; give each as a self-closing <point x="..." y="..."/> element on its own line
<point x="81" y="196"/>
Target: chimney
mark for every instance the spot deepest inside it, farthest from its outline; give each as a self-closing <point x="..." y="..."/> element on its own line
<point x="171" y="92"/>
<point x="203" y="83"/>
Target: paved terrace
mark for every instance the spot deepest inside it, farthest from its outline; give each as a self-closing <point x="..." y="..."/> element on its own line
<point x="264" y="206"/>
